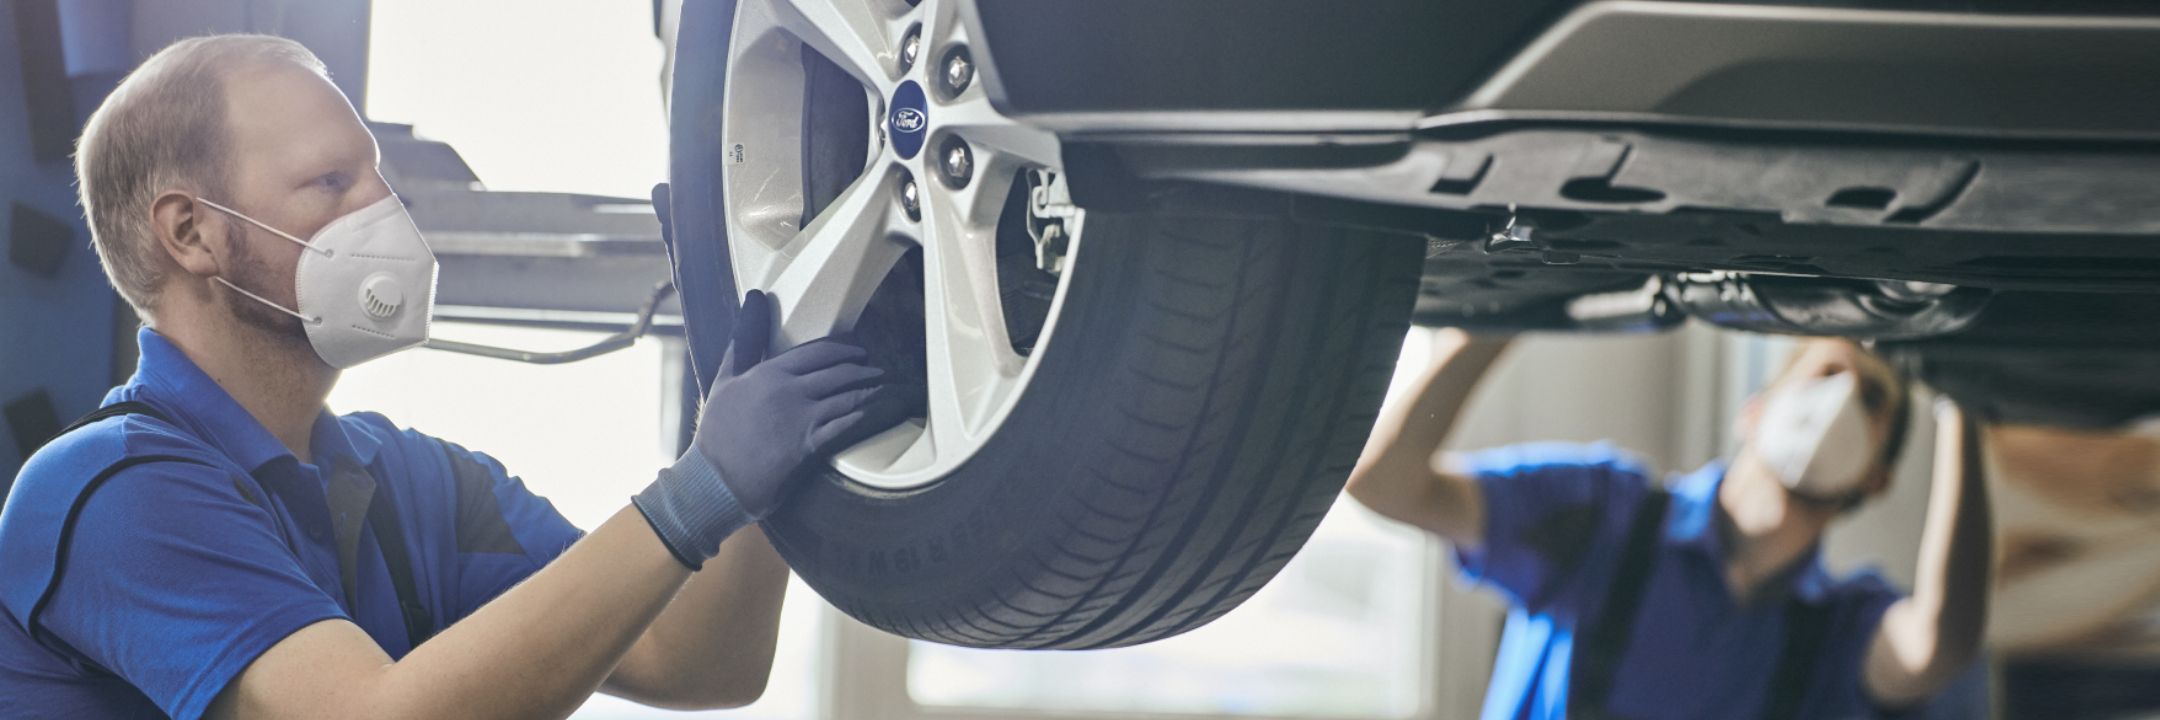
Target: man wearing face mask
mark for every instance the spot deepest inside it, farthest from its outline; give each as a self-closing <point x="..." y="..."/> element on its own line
<point x="1704" y="597"/>
<point x="215" y="543"/>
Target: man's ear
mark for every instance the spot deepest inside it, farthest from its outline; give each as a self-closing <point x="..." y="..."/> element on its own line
<point x="183" y="228"/>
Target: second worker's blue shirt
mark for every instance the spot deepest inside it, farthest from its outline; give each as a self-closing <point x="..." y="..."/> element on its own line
<point x="1556" y="516"/>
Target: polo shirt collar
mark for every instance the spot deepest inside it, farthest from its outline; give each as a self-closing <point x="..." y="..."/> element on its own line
<point x="1692" y="522"/>
<point x="332" y="441"/>
<point x="1692" y="526"/>
<point x="187" y="393"/>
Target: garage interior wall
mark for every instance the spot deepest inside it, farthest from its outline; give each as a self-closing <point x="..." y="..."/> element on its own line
<point x="336" y="30"/>
<point x="61" y="58"/>
<point x="51" y="288"/>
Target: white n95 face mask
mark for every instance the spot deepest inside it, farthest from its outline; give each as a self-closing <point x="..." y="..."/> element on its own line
<point x="1814" y="437"/>
<point x="365" y="283"/>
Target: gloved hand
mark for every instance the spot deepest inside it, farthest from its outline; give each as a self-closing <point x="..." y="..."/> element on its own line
<point x="762" y="420"/>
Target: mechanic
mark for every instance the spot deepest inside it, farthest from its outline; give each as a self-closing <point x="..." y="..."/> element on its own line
<point x="226" y="547"/>
<point x="1704" y="598"/>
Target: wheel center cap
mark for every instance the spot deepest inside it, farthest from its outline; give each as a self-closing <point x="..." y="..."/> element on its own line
<point x="909" y="121"/>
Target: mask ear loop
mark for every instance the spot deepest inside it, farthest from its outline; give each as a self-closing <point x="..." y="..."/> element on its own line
<point x="280" y="233"/>
<point x="325" y="252"/>
<point x="273" y="306"/>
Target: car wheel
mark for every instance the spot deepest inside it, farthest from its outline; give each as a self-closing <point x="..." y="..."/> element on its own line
<point x="1128" y="421"/>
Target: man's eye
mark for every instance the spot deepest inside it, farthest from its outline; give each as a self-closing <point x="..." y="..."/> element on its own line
<point x="332" y="181"/>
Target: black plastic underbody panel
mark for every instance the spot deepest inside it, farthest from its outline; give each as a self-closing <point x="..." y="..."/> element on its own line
<point x="2065" y="227"/>
<point x="1604" y="199"/>
<point x="1297" y="55"/>
<point x="1110" y="55"/>
<point x="2076" y="359"/>
<point x="2051" y="7"/>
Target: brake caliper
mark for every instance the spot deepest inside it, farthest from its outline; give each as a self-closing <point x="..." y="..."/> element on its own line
<point x="1049" y="207"/>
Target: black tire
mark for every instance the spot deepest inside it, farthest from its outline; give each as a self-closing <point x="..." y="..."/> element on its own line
<point x="1208" y="386"/>
<point x="1206" y="389"/>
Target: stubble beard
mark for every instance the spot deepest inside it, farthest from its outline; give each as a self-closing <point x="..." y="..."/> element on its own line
<point x="252" y="273"/>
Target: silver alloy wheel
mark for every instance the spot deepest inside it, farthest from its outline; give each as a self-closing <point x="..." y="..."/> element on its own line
<point x="822" y="275"/>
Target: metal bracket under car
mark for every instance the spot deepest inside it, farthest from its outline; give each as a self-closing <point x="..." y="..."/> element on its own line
<point x="1658" y="137"/>
<point x="1811" y="178"/>
<point x="1867" y="309"/>
<point x="1820" y="306"/>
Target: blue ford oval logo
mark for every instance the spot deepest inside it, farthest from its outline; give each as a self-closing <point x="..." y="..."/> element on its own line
<point x="909" y="120"/>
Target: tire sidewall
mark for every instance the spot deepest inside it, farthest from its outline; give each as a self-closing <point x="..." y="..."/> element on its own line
<point x="957" y="538"/>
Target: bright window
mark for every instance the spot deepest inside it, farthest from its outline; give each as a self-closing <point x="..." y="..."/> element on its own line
<point x="1340" y="633"/>
<point x="555" y="95"/>
<point x="585" y="435"/>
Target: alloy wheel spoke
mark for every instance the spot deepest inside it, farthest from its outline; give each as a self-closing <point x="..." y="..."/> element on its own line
<point x="851" y="33"/>
<point x="971" y="117"/>
<point x="831" y="268"/>
<point x="971" y="362"/>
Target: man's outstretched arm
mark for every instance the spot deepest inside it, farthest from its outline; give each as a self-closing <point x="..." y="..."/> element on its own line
<point x="546" y="645"/>
<point x="713" y="645"/>
<point x="1398" y="477"/>
<point x="539" y="650"/>
<point x="1925" y="640"/>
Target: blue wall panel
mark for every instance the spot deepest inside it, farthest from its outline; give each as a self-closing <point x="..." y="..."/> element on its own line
<point x="56" y="333"/>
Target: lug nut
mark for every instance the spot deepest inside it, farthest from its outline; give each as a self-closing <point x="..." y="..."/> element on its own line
<point x="959" y="71"/>
<point x="911" y="49"/>
<point x="958" y="162"/>
<point x="910" y="198"/>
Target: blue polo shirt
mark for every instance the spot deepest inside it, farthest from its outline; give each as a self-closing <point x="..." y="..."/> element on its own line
<point x="1556" y="517"/>
<point x="144" y="595"/>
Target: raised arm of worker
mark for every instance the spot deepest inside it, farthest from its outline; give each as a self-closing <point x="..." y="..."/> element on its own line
<point x="1926" y="639"/>
<point x="1401" y="475"/>
<point x="543" y="647"/>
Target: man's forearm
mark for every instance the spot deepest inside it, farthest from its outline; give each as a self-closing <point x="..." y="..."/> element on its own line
<point x="1957" y="549"/>
<point x="542" y="648"/>
<point x="1394" y="475"/>
<point x="713" y="645"/>
<point x="1929" y="638"/>
<point x="1425" y="422"/>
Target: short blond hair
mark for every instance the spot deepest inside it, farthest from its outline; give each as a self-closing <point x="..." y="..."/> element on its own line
<point x="163" y="128"/>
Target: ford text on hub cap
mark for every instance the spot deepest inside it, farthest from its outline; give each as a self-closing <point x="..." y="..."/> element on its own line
<point x="910" y="120"/>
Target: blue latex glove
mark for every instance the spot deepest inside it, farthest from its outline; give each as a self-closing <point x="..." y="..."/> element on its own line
<point x="762" y="420"/>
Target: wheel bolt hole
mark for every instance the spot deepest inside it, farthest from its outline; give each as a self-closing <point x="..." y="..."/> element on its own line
<point x="956" y="162"/>
<point x="911" y="49"/>
<point x="910" y="197"/>
<point x="958" y="71"/>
